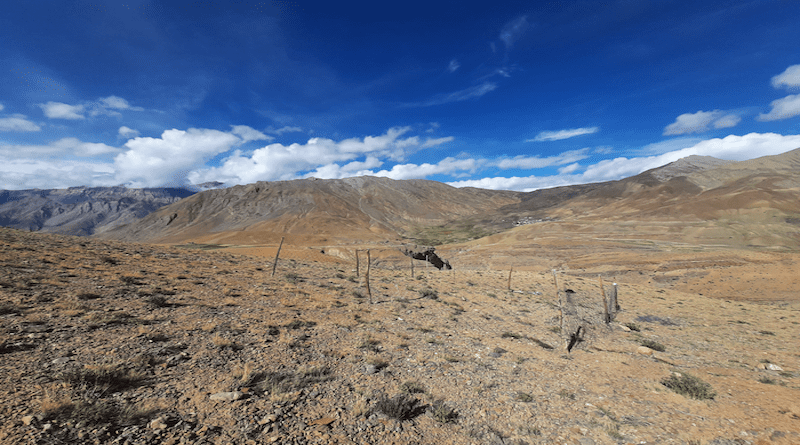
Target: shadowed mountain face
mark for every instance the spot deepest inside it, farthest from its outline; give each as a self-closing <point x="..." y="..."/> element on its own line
<point x="81" y="210"/>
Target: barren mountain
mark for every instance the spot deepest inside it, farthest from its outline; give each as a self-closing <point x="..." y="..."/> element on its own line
<point x="81" y="210"/>
<point x="362" y="208"/>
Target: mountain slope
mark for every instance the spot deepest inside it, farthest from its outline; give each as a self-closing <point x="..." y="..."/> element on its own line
<point x="81" y="210"/>
<point x="361" y="208"/>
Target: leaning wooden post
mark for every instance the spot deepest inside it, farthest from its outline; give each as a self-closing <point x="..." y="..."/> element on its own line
<point x="366" y="278"/>
<point x="357" y="273"/>
<point x="509" y="278"/>
<point x="560" y="306"/>
<point x="277" y="254"/>
<point x="412" y="267"/>
<point x="606" y="318"/>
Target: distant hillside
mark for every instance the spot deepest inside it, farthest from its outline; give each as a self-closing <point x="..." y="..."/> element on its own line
<point x="81" y="210"/>
<point x="362" y="208"/>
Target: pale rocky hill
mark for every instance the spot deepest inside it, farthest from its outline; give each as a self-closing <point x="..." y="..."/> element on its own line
<point x="81" y="210"/>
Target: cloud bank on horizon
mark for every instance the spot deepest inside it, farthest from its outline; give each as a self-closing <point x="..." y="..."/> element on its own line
<point x="261" y="93"/>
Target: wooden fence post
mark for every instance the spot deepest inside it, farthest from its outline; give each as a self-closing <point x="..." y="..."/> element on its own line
<point x="277" y="254"/>
<point x="509" y="278"/>
<point x="560" y="305"/>
<point x="614" y="297"/>
<point x="606" y="317"/>
<point x="412" y="267"/>
<point x="366" y="278"/>
<point x="357" y="268"/>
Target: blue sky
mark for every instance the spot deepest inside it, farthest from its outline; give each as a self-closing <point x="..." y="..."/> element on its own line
<point x="502" y="95"/>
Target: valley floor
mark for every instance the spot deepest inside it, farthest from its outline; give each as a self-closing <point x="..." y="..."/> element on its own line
<point x="108" y="342"/>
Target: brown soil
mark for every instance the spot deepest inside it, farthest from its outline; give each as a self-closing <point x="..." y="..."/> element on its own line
<point x="108" y="342"/>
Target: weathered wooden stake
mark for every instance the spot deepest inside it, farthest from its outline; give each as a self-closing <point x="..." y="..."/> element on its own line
<point x="357" y="268"/>
<point x="277" y="254"/>
<point x="366" y="278"/>
<point x="509" y="278"/>
<point x="614" y="297"/>
<point x="560" y="305"/>
<point x="412" y="267"/>
<point x="606" y="318"/>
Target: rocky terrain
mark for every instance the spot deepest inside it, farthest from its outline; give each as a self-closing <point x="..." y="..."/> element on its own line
<point x="81" y="210"/>
<point x="111" y="342"/>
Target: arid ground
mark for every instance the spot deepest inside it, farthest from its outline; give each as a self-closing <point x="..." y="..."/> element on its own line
<point x="111" y="342"/>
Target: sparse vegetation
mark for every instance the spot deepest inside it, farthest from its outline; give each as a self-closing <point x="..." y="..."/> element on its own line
<point x="654" y="345"/>
<point x="523" y="397"/>
<point x="400" y="407"/>
<point x="442" y="412"/>
<point x="689" y="386"/>
<point x="413" y="387"/>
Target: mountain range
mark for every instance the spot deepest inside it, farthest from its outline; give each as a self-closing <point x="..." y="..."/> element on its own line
<point x="755" y="203"/>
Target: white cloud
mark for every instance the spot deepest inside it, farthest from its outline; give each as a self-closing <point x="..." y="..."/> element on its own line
<point x="563" y="134"/>
<point x="513" y="30"/>
<point x="434" y="142"/>
<point x="531" y="162"/>
<point x="154" y="161"/>
<point x="58" y="150"/>
<point x="569" y="169"/>
<point x="17" y="122"/>
<point x="2" y="107"/>
<point x="249" y="134"/>
<point x="127" y="133"/>
<point x="789" y="78"/>
<point x="319" y="157"/>
<point x="699" y="122"/>
<point x="117" y="103"/>
<point x="784" y="108"/>
<point x="434" y="126"/>
<point x="58" y="110"/>
<point x="454" y="65"/>
<point x="447" y="165"/>
<point x="732" y="147"/>
<point x="285" y="129"/>
<point x="458" y="96"/>
<point x="48" y="174"/>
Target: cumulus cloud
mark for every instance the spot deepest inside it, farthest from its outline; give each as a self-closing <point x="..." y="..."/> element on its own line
<point x="17" y="122"/>
<point x="789" y="78"/>
<point x="154" y="161"/>
<point x="59" y="110"/>
<point x="784" y="108"/>
<point x="699" y="122"/>
<point x="319" y="157"/>
<point x="127" y="133"/>
<point x="563" y="134"/>
<point x="249" y="134"/>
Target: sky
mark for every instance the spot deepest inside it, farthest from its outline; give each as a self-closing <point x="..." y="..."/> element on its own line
<point x="500" y="95"/>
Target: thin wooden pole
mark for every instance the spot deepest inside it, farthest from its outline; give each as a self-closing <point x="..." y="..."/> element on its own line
<point x="509" y="278"/>
<point x="412" y="267"/>
<point x="277" y="254"/>
<point x="357" y="268"/>
<point x="606" y="318"/>
<point x="560" y="305"/>
<point x="614" y="296"/>
<point x="366" y="278"/>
